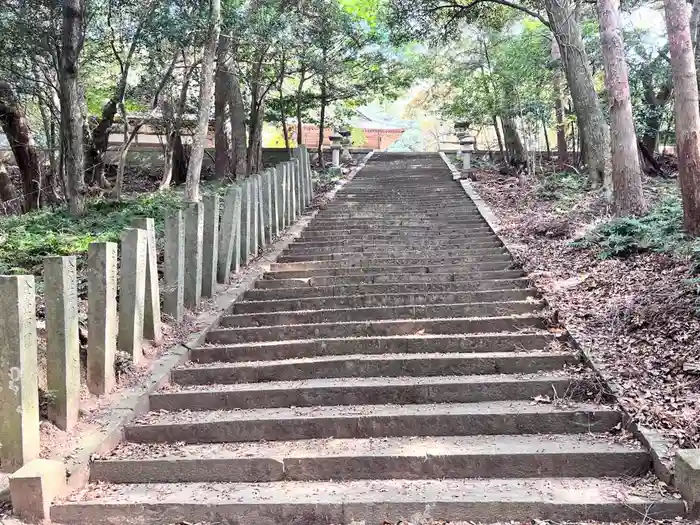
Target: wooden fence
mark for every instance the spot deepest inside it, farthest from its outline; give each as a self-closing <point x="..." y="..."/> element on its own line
<point x="204" y="243"/>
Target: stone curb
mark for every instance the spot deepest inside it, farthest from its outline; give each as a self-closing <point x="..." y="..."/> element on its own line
<point x="659" y="446"/>
<point x="135" y="401"/>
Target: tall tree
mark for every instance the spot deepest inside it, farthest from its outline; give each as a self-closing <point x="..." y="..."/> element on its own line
<point x="199" y="138"/>
<point x="13" y="122"/>
<point x="687" y="112"/>
<point x="628" y="198"/>
<point x="71" y="114"/>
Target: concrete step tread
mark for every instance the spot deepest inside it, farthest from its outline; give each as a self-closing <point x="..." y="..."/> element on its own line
<point x="322" y="383"/>
<point x="388" y="321"/>
<point x="533" y="291"/>
<point x="474" y="356"/>
<point x="481" y="408"/>
<point x="388" y="277"/>
<point x="414" y="446"/>
<point x="483" y="282"/>
<point x="433" y="338"/>
<point x="317" y="502"/>
<point x="425" y="309"/>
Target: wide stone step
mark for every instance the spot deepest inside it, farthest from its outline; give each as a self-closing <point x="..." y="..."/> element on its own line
<point x="369" y="300"/>
<point x="364" y="421"/>
<point x="397" y="239"/>
<point x="377" y="278"/>
<point x="362" y="391"/>
<point x="331" y="272"/>
<point x="312" y="255"/>
<point x="392" y="233"/>
<point x="376" y="313"/>
<point x="258" y="294"/>
<point x="419" y="343"/>
<point x="396" y="246"/>
<point x="469" y="325"/>
<point x="378" y="260"/>
<point x="367" y="365"/>
<point x="374" y="224"/>
<point x="526" y="456"/>
<point x="367" y="501"/>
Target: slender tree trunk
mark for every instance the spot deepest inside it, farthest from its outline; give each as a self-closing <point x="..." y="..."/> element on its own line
<point x="283" y="111"/>
<point x="562" y="151"/>
<point x="199" y="139"/>
<point x="546" y="138"/>
<point x="222" y="89"/>
<point x="71" y="116"/>
<point x="686" y="110"/>
<point x="14" y="124"/>
<point x="300" y="92"/>
<point x="238" y="129"/>
<point x="498" y="134"/>
<point x="514" y="146"/>
<point x="628" y="198"/>
<point x="694" y="23"/>
<point x="594" y="131"/>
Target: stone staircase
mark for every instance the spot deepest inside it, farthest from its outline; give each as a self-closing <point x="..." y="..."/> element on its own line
<point x="386" y="366"/>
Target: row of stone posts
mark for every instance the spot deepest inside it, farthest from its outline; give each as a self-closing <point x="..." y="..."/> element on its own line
<point x="204" y="243"/>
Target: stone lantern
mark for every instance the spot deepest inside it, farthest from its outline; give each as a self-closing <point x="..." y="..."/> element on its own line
<point x="467" y="143"/>
<point x="345" y="144"/>
<point x="335" y="149"/>
<point x="461" y="127"/>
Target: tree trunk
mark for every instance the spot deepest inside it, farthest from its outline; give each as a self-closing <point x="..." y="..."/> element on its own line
<point x="514" y="146"/>
<point x="238" y="129"/>
<point x="300" y="129"/>
<point x="562" y="151"/>
<point x="686" y="110"/>
<point x="14" y="124"/>
<point x="8" y="194"/>
<point x="498" y="135"/>
<point x="546" y="138"/>
<point x="594" y="131"/>
<point x="199" y="138"/>
<point x="628" y="198"/>
<point x="222" y="130"/>
<point x="255" y="145"/>
<point x="255" y="130"/>
<point x="71" y="116"/>
<point x="650" y="139"/>
<point x="283" y="111"/>
<point x="694" y="23"/>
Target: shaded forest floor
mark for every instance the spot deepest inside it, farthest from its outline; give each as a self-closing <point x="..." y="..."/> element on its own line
<point x="627" y="289"/>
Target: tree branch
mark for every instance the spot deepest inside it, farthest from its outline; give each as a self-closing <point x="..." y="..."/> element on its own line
<point x="507" y="3"/>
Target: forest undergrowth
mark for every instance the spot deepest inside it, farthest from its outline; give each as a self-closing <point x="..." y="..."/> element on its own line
<point x="626" y="288"/>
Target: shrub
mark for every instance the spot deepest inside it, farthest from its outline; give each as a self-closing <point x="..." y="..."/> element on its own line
<point x="660" y="230"/>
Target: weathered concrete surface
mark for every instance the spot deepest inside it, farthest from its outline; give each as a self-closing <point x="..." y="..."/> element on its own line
<point x="432" y="457"/>
<point x="174" y="266"/>
<point x="132" y="292"/>
<point x="210" y="244"/>
<point x="361" y="391"/>
<point x="320" y="503"/>
<point x="152" y="324"/>
<point x="19" y="403"/>
<point x="367" y="365"/>
<point x="687" y="478"/>
<point x="34" y="486"/>
<point x="403" y="347"/>
<point x="194" y="238"/>
<point x="102" y="316"/>
<point x="62" y="341"/>
<point x="229" y="236"/>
